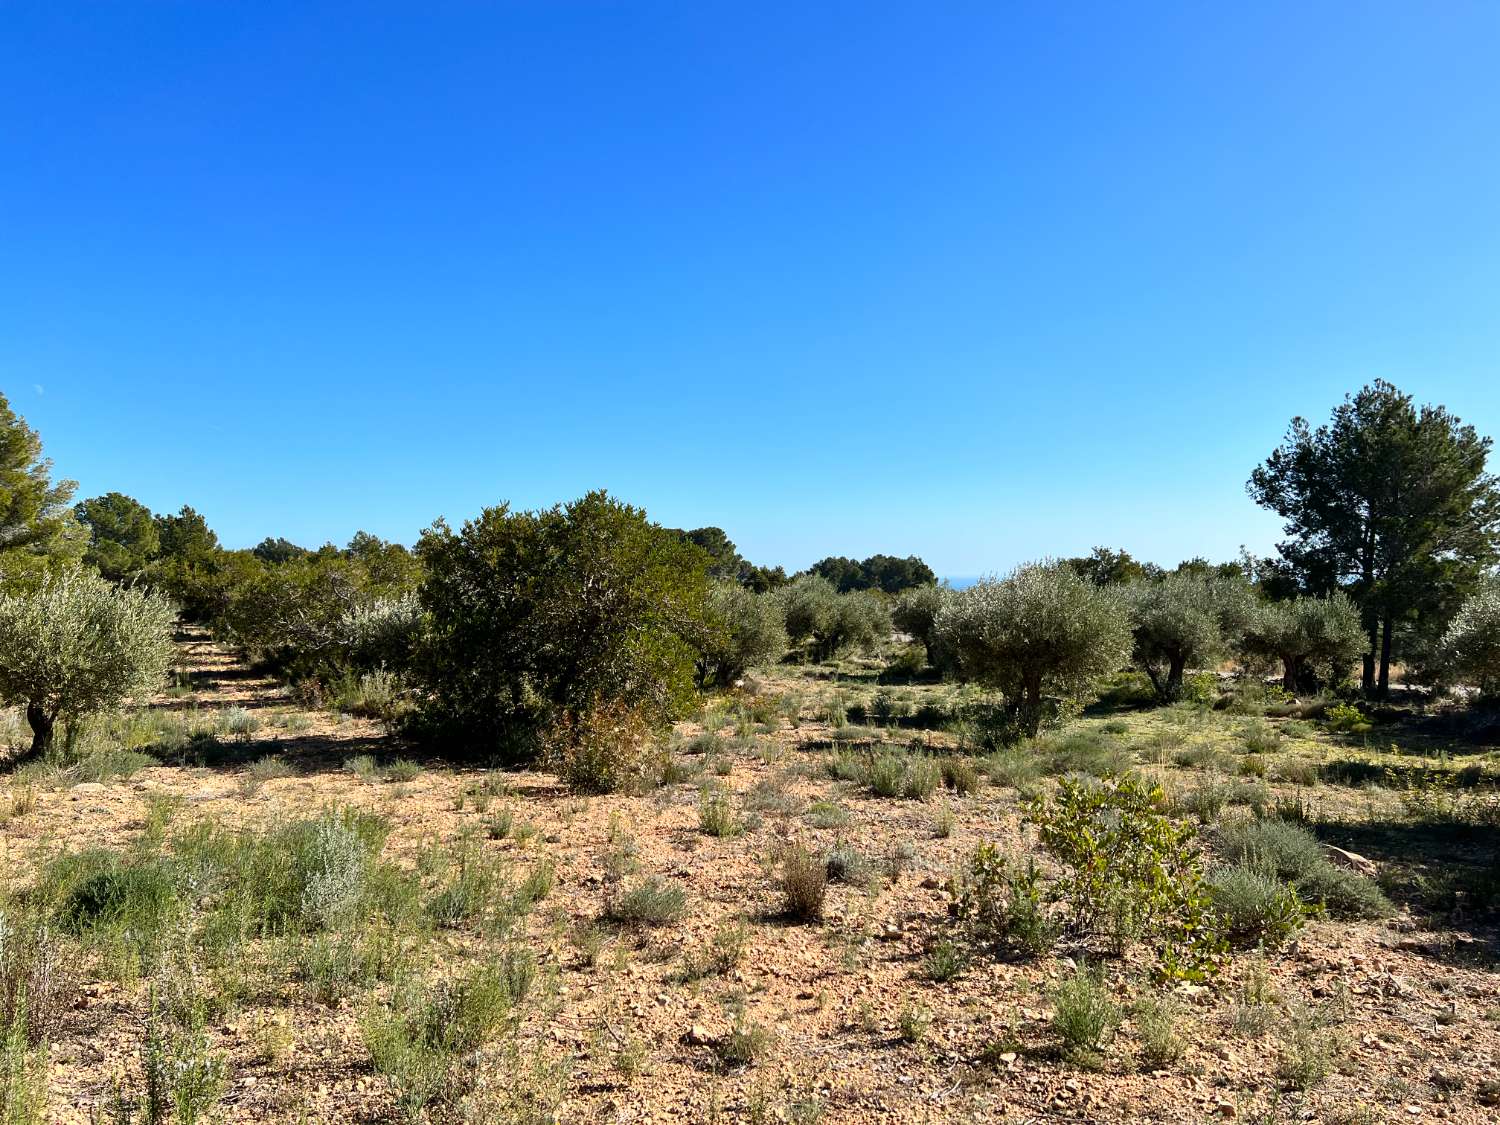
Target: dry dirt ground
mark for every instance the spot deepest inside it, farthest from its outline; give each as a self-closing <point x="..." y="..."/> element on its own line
<point x="1414" y="1012"/>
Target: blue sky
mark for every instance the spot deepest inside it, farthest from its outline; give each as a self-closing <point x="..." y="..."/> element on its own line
<point x="982" y="282"/>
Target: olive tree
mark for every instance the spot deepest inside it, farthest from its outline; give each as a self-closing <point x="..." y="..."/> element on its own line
<point x="77" y="645"/>
<point x="1184" y="620"/>
<point x="1470" y="649"/>
<point x="744" y="629"/>
<point x="814" y="611"/>
<point x="1317" y="640"/>
<point x="1040" y="632"/>
<point x="915" y="613"/>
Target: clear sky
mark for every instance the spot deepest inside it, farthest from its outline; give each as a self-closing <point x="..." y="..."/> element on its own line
<point x="981" y="282"/>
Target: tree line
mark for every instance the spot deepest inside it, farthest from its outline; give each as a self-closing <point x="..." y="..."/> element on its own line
<point x="576" y="633"/>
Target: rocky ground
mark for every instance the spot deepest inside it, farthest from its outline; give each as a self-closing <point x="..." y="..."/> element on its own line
<point x="1406" y="1010"/>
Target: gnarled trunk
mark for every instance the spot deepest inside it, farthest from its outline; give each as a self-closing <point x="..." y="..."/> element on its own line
<point x="42" y="727"/>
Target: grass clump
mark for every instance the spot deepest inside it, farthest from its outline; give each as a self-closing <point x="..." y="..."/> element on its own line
<point x="716" y="817"/>
<point x="1291" y="853"/>
<point x="804" y="882"/>
<point x="650" y="903"/>
<point x="1085" y="1015"/>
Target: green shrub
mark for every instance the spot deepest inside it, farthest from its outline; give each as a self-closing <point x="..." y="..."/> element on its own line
<point x="716" y="816"/>
<point x="959" y="774"/>
<point x="845" y="865"/>
<point x="605" y="748"/>
<point x="944" y="961"/>
<point x="77" y="645"/>
<point x="1128" y="870"/>
<point x="651" y="903"/>
<point x="1291" y="853"/>
<point x="1085" y="1015"/>
<point x="999" y="910"/>
<point x="744" y="630"/>
<point x="1260" y="737"/>
<point x="921" y="779"/>
<point x="1156" y="1028"/>
<point x="539" y="619"/>
<point x="1345" y="718"/>
<point x="1254" y="908"/>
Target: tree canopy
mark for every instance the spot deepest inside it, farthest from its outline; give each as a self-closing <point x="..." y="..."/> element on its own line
<point x="1389" y="503"/>
<point x="124" y="537"/>
<point x="36" y="523"/>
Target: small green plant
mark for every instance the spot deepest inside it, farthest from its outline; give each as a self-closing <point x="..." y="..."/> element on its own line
<point x="1345" y="718"/>
<point x="1000" y="909"/>
<point x="716" y="816"/>
<point x="944" y="961"/>
<point x="651" y="903"/>
<point x="1085" y="1015"/>
<point x="1156" y="1027"/>
<point x="827" y="814"/>
<point x="747" y="1041"/>
<point x="1254" y="908"/>
<point x="913" y="1023"/>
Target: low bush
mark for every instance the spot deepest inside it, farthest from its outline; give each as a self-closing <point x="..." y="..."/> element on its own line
<point x="608" y="747"/>
<point x="1085" y="1016"/>
<point x="804" y="883"/>
<point x="1000" y="909"/>
<point x="1254" y="908"/>
<point x="652" y="903"/>
<point x="1129" y="872"/>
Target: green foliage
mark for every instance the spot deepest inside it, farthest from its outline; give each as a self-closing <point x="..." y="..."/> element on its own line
<point x="1129" y="871"/>
<point x="1315" y="639"/>
<point x="878" y="572"/>
<point x="745" y="629"/>
<point x="1345" y="718"/>
<point x="815" y="612"/>
<point x="77" y="645"/>
<point x="716" y="816"/>
<point x="540" y="616"/>
<point x="1254" y="908"/>
<point x="38" y="530"/>
<point x="1040" y="632"/>
<point x="23" y="1073"/>
<point x="123" y="535"/>
<point x="1085" y="1016"/>
<point x="1391" y="502"/>
<point x="915" y="613"/>
<point x="1470" y="649"/>
<point x="606" y="747"/>
<point x="1001" y="910"/>
<point x="652" y="903"/>
<point x="1292" y="854"/>
<point x="1183" y="621"/>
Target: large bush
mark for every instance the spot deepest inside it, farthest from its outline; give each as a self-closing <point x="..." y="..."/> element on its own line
<point x="1470" y="649"/>
<point x="78" y="645"/>
<point x="538" y="617"/>
<point x="744" y="629"/>
<point x="1042" y="635"/>
<point x="1184" y="621"/>
<point x="1317" y="640"/>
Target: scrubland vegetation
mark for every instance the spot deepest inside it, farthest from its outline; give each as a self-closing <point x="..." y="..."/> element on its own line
<point x="563" y="815"/>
